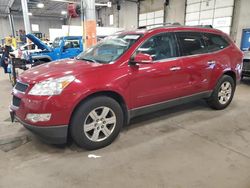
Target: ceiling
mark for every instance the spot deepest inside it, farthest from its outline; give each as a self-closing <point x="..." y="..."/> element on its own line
<point x="52" y="8"/>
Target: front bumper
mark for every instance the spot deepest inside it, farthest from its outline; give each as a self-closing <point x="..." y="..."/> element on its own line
<point x="51" y="134"/>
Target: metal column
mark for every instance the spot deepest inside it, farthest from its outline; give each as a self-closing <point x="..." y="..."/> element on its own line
<point x="12" y="23"/>
<point x="26" y="16"/>
<point x="89" y="23"/>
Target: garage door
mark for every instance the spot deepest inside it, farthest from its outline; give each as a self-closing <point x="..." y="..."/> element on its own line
<point x="150" y="19"/>
<point x="217" y="13"/>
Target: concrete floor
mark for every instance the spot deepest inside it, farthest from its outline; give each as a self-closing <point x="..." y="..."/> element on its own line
<point x="189" y="146"/>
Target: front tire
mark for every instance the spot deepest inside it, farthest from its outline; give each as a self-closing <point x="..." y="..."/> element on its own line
<point x="96" y="122"/>
<point x="222" y="94"/>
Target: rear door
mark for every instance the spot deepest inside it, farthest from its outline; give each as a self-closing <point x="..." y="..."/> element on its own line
<point x="215" y="44"/>
<point x="197" y="64"/>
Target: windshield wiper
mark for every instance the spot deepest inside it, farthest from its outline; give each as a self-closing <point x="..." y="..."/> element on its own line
<point x="88" y="59"/>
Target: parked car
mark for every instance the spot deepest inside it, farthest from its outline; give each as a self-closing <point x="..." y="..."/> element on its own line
<point x="26" y="49"/>
<point x="62" y="47"/>
<point x="246" y="64"/>
<point x="91" y="97"/>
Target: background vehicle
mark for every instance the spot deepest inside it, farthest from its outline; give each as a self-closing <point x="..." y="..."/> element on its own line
<point x="62" y="47"/>
<point x="246" y="64"/>
<point x="24" y="51"/>
<point x="92" y="96"/>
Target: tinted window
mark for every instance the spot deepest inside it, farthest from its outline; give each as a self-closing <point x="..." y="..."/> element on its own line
<point x="71" y="43"/>
<point x="214" y="42"/>
<point x="191" y="43"/>
<point x="160" y="47"/>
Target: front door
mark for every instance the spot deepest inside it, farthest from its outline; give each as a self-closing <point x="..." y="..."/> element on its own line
<point x="161" y="80"/>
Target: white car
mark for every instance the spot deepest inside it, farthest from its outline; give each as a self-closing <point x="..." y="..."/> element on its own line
<point x="23" y="51"/>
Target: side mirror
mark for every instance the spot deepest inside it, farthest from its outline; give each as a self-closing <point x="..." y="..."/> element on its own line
<point x="141" y="58"/>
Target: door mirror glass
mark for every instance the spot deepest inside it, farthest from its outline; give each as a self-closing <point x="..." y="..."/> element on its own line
<point x="141" y="58"/>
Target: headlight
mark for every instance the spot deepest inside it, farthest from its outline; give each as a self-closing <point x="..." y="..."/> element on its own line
<point x="51" y="86"/>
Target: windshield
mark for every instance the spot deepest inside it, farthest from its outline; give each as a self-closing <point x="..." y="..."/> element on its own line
<point x="109" y="49"/>
<point x="56" y="43"/>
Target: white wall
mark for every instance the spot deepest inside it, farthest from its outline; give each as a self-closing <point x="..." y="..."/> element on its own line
<point x="127" y="15"/>
<point x="241" y="19"/>
<point x="44" y="24"/>
<point x="151" y="5"/>
<point x="175" y="11"/>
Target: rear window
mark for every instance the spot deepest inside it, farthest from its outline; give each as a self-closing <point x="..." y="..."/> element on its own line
<point x="191" y="43"/>
<point x="214" y="42"/>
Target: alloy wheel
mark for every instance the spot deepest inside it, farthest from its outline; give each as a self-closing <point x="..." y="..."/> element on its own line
<point x="225" y="92"/>
<point x="99" y="124"/>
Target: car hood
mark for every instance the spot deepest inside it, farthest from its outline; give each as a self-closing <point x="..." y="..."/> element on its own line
<point x="41" y="45"/>
<point x="57" y="69"/>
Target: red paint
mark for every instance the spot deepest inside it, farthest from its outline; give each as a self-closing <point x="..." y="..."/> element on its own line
<point x="139" y="85"/>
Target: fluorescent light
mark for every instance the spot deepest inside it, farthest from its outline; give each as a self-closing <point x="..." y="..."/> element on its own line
<point x="30" y="13"/>
<point x="40" y="5"/>
<point x="63" y="12"/>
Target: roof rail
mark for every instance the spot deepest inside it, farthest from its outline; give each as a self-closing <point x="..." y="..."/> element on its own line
<point x="159" y="25"/>
<point x="205" y="26"/>
<point x="152" y="26"/>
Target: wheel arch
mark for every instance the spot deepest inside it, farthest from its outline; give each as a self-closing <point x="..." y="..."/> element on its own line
<point x="231" y="74"/>
<point x="112" y="94"/>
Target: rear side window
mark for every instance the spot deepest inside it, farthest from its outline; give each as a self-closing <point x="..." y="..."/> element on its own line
<point x="191" y="43"/>
<point x="214" y="42"/>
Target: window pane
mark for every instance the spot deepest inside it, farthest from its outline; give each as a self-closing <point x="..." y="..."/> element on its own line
<point x="71" y="44"/>
<point x="160" y="47"/>
<point x="214" y="42"/>
<point x="191" y="43"/>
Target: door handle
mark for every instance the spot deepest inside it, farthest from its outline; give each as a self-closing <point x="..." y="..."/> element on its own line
<point x="212" y="62"/>
<point x="175" y="68"/>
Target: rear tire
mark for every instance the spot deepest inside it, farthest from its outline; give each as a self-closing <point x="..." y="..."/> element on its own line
<point x="96" y="122"/>
<point x="223" y="93"/>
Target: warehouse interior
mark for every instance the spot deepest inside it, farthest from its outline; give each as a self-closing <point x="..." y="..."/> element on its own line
<point x="50" y="77"/>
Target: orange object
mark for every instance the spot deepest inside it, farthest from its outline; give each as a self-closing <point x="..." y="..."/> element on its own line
<point x="89" y="33"/>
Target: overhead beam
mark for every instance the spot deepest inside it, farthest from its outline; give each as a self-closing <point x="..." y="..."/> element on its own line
<point x="108" y="4"/>
<point x="10" y="3"/>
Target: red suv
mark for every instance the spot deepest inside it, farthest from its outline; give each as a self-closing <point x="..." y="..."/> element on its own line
<point x="92" y="96"/>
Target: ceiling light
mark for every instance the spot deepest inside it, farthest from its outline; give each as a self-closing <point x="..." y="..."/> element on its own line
<point x="63" y="12"/>
<point x="30" y="13"/>
<point x="40" y="5"/>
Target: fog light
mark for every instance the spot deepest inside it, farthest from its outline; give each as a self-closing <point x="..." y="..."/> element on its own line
<point x="38" y="117"/>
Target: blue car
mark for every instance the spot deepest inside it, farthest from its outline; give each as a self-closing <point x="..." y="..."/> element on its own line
<point x="62" y="47"/>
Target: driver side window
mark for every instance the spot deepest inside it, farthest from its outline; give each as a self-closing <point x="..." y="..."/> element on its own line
<point x="161" y="46"/>
<point x="71" y="44"/>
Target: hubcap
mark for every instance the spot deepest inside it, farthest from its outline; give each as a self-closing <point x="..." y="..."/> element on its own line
<point x="99" y="124"/>
<point x="225" y="92"/>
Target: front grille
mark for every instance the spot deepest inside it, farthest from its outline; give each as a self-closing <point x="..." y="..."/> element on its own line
<point x="21" y="87"/>
<point x="16" y="101"/>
